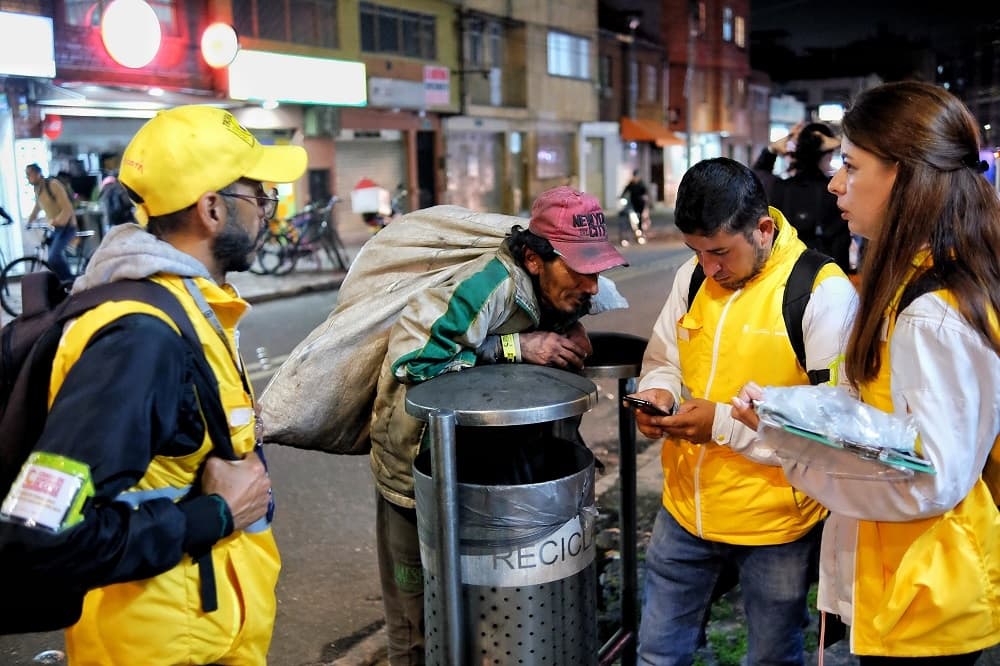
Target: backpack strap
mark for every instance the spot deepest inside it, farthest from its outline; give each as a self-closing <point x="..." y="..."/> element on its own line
<point x="798" y="291"/>
<point x="697" y="278"/>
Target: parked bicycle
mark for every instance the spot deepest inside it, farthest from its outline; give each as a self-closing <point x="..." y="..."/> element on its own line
<point x="309" y="235"/>
<point x="77" y="257"/>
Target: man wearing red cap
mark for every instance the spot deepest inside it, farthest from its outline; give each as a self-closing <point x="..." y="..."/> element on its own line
<point x="521" y="304"/>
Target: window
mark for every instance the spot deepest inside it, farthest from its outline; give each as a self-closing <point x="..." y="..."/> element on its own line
<point x="649" y="83"/>
<point x="702" y="18"/>
<point x="604" y="75"/>
<point x="568" y="55"/>
<point x="554" y="157"/>
<point x="495" y="44"/>
<point x="727" y="24"/>
<point x="311" y="22"/>
<point x="398" y="31"/>
<point x="727" y="90"/>
<point x="741" y="92"/>
<point x="741" y="32"/>
<point x="474" y="34"/>
<point x="759" y="100"/>
<point x="89" y="12"/>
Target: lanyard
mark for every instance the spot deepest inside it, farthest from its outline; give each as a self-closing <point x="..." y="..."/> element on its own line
<point x="208" y="313"/>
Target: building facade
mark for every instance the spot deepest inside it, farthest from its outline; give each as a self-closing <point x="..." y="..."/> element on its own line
<point x="633" y="87"/>
<point x="707" y="46"/>
<point x="526" y="85"/>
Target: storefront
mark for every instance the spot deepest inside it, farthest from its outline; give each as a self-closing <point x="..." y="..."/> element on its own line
<point x="27" y="59"/>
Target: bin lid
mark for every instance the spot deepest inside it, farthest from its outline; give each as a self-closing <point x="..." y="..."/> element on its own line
<point x="499" y="395"/>
<point x="616" y="355"/>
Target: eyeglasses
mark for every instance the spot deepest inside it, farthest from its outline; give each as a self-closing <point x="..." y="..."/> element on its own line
<point x="268" y="203"/>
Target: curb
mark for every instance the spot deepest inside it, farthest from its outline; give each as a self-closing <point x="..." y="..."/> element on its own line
<point x="297" y="290"/>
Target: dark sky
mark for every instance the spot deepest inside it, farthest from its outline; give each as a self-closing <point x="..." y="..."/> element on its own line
<point x="834" y="23"/>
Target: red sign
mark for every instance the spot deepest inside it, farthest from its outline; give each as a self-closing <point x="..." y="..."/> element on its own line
<point x="52" y="127"/>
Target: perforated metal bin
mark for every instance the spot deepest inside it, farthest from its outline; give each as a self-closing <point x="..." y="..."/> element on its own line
<point x="515" y="579"/>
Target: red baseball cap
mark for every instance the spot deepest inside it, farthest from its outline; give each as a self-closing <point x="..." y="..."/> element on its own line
<point x="573" y="222"/>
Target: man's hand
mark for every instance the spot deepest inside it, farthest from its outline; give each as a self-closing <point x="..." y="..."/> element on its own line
<point x="243" y="484"/>
<point x="651" y="425"/>
<point x="578" y="334"/>
<point x="692" y="422"/>
<point x="559" y="351"/>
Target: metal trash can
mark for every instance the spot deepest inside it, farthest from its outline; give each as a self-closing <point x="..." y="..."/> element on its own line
<point x="525" y="550"/>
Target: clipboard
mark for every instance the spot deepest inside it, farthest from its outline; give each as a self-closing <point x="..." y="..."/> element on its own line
<point x="891" y="457"/>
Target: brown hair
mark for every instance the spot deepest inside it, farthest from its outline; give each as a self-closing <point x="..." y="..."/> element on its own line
<point x="939" y="201"/>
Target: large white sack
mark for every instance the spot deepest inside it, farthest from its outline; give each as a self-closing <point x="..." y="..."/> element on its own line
<point x="321" y="397"/>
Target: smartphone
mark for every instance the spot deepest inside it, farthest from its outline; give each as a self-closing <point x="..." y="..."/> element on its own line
<point x="648" y="407"/>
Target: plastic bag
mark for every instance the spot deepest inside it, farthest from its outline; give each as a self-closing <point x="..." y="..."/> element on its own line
<point x="830" y="416"/>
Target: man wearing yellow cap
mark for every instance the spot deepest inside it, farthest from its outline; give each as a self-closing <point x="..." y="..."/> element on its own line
<point x="175" y="543"/>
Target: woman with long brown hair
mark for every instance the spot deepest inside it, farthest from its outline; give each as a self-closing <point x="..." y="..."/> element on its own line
<point x="912" y="562"/>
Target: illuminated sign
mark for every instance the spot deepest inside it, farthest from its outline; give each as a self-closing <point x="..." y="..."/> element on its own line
<point x="219" y="45"/>
<point x="131" y="33"/>
<point x="260" y="75"/>
<point x="831" y="113"/>
<point x="27" y="47"/>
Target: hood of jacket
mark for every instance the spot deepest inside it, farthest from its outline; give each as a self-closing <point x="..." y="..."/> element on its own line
<point x="129" y="252"/>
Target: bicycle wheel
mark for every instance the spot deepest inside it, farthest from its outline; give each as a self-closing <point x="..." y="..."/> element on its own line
<point x="271" y="255"/>
<point x="279" y="255"/>
<point x="10" y="283"/>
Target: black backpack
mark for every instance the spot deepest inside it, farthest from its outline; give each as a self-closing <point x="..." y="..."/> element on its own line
<point x="798" y="291"/>
<point x="27" y="348"/>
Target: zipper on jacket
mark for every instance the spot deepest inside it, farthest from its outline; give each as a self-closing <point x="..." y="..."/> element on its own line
<point x="716" y="342"/>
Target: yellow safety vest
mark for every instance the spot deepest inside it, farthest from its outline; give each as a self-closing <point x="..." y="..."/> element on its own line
<point x="927" y="587"/>
<point x="710" y="490"/>
<point x="159" y="620"/>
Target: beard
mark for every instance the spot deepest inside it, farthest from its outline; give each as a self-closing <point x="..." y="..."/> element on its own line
<point x="760" y="255"/>
<point x="233" y="248"/>
<point x="552" y="319"/>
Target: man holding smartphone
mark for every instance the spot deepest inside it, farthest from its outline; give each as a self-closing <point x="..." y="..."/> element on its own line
<point x="720" y="509"/>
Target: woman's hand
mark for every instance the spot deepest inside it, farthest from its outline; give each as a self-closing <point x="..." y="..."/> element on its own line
<point x="743" y="409"/>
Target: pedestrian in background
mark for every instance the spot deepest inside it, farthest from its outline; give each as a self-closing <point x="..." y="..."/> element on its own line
<point x="721" y="510"/>
<point x="637" y="195"/>
<point x="912" y="561"/>
<point x="803" y="196"/>
<point x="519" y="304"/>
<point x="174" y="542"/>
<point x="52" y="197"/>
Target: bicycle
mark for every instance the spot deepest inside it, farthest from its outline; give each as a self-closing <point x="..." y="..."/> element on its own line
<point x="310" y="234"/>
<point x="10" y="278"/>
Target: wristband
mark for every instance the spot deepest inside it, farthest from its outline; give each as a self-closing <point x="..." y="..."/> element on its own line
<point x="511" y="347"/>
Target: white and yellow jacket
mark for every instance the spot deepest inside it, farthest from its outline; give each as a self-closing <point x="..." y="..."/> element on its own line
<point x="709" y="351"/>
<point x="912" y="562"/>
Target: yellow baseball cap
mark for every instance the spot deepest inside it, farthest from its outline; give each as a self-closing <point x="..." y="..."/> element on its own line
<point x="184" y="152"/>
